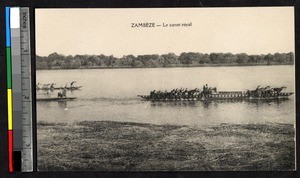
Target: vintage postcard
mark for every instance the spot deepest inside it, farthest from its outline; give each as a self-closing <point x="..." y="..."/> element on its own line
<point x="165" y="89"/>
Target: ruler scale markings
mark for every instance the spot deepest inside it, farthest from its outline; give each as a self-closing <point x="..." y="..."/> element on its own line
<point x="27" y="151"/>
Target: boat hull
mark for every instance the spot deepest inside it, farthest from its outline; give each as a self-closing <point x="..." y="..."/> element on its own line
<point x="56" y="99"/>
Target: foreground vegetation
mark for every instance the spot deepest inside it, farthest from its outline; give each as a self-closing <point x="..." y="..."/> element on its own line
<point x="118" y="146"/>
<point x="190" y="59"/>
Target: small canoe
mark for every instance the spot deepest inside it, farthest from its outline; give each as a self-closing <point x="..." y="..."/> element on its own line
<point x="56" y="99"/>
<point x="68" y="88"/>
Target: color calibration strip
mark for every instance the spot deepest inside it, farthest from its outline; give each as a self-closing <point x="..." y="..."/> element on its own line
<point x="9" y="91"/>
<point x="18" y="57"/>
<point x="16" y="86"/>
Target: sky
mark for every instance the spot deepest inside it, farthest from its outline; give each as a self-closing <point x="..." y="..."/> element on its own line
<point x="254" y="30"/>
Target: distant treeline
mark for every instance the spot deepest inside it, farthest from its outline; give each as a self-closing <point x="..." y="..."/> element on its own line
<point x="190" y="59"/>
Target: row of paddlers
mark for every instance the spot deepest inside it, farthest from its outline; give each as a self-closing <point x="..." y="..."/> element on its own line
<point x="260" y="93"/>
<point x="51" y="87"/>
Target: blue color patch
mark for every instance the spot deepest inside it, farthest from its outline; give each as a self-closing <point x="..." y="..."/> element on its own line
<point x="7" y="20"/>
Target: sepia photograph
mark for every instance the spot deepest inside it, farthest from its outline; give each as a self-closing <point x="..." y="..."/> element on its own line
<point x="165" y="89"/>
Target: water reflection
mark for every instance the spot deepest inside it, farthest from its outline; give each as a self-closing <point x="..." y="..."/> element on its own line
<point x="174" y="103"/>
<point x="268" y="102"/>
<point x="215" y="103"/>
<point x="63" y="104"/>
<point x="206" y="104"/>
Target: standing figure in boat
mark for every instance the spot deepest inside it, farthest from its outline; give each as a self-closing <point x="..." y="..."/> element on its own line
<point x="37" y="86"/>
<point x="72" y="84"/>
<point x="152" y="93"/>
<point x="204" y="91"/>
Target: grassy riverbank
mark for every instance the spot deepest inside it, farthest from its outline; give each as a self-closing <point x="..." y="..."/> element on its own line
<point x="118" y="146"/>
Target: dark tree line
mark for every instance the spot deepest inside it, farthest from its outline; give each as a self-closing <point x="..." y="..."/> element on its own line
<point x="190" y="59"/>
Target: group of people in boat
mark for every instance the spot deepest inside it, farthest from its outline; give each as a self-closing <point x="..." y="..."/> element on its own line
<point x="47" y="86"/>
<point x="62" y="93"/>
<point x="50" y="86"/>
<point x="207" y="91"/>
<point x="181" y="93"/>
<point x="264" y="92"/>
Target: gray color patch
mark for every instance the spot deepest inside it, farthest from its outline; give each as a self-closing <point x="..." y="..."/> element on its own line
<point x="17" y="101"/>
<point x="15" y="32"/>
<point x="15" y="46"/>
<point x="18" y="142"/>
<point x="16" y="83"/>
<point x="17" y="119"/>
<point x="16" y="64"/>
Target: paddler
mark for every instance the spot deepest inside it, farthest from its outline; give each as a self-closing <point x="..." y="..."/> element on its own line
<point x="205" y="87"/>
<point x="152" y="93"/>
<point x="52" y="86"/>
<point x="37" y="86"/>
<point x="71" y="85"/>
<point x="64" y="93"/>
<point x="59" y="94"/>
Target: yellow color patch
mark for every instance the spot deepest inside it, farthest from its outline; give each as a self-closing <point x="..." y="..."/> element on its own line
<point x="9" y="109"/>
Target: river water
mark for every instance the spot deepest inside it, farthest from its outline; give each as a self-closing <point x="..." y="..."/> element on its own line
<point x="111" y="94"/>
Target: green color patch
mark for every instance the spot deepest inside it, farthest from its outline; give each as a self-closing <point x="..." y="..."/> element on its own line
<point x="8" y="67"/>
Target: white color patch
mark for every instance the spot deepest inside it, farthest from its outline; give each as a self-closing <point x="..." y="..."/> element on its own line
<point x="15" y="17"/>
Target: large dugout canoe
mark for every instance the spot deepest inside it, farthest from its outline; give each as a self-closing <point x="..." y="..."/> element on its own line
<point x="221" y="96"/>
